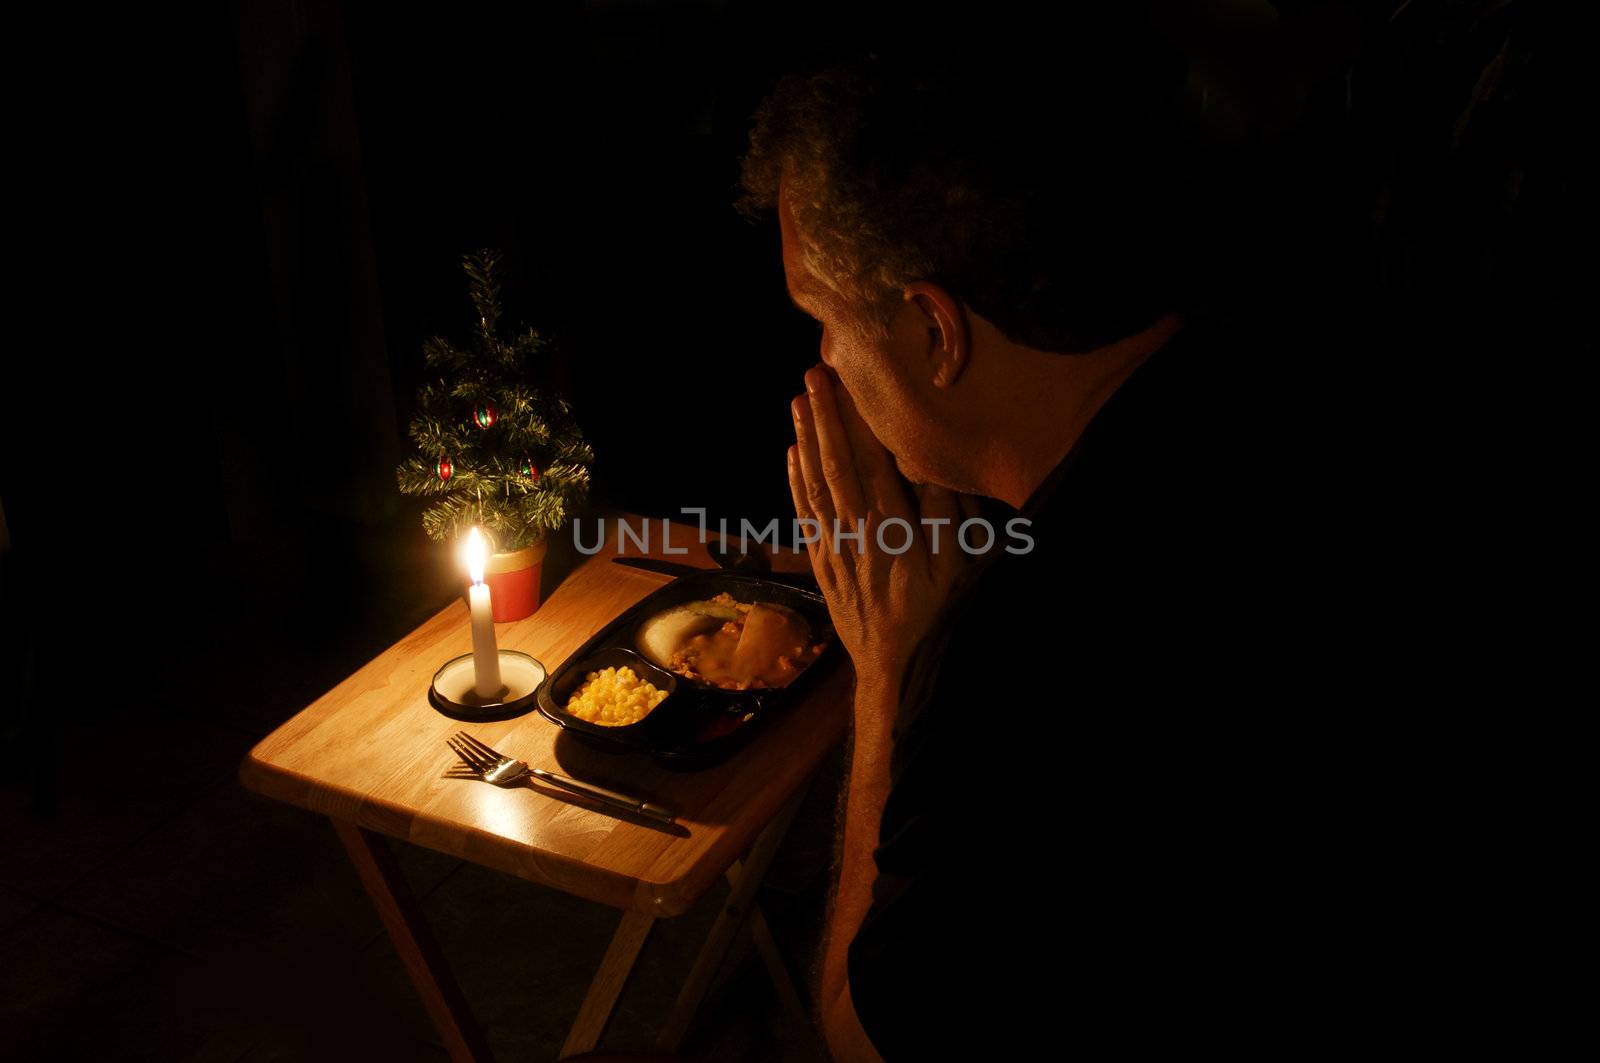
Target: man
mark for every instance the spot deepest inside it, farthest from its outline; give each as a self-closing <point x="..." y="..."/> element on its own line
<point x="1002" y="338"/>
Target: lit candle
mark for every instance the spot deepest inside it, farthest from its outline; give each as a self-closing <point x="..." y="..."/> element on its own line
<point x="485" y="654"/>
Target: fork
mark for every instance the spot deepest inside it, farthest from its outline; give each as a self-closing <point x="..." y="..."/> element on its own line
<point x="491" y="766"/>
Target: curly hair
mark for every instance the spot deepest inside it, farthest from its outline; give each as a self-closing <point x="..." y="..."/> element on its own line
<point x="1041" y="189"/>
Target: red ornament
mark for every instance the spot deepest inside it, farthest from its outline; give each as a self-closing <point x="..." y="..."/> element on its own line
<point x="443" y="469"/>
<point x="529" y="470"/>
<point x="485" y="415"/>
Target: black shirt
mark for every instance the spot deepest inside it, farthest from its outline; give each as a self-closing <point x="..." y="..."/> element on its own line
<point x="1049" y="852"/>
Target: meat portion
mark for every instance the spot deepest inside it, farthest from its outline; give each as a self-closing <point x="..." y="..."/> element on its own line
<point x="774" y="639"/>
<point x="730" y="644"/>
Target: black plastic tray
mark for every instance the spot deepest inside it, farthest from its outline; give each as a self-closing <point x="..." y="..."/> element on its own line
<point x="696" y="725"/>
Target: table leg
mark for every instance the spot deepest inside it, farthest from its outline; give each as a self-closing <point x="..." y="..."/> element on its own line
<point x="760" y="938"/>
<point x="408" y="929"/>
<point x="734" y="912"/>
<point x="595" y="1011"/>
<point x="778" y="970"/>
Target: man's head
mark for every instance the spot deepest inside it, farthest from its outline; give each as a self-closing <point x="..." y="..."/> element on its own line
<point x="926" y="206"/>
<point x="1031" y="181"/>
<point x="893" y="367"/>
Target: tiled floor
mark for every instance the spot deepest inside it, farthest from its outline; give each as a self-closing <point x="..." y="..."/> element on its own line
<point x="184" y="918"/>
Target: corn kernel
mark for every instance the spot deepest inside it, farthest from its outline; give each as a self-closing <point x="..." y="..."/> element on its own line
<point x="614" y="697"/>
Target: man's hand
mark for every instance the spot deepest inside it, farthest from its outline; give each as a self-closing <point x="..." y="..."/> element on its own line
<point x="882" y="603"/>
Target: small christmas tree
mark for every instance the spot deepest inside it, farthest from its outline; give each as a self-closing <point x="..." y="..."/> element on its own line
<point x="493" y="451"/>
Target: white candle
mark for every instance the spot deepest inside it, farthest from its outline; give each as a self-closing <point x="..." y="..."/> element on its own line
<point x="485" y="654"/>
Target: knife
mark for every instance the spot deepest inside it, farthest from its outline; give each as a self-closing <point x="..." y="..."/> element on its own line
<point x="804" y="581"/>
<point x="600" y="793"/>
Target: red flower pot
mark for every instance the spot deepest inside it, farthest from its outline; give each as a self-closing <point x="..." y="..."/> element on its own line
<point x="513" y="580"/>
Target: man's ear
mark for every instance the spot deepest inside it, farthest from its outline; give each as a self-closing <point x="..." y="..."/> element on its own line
<point x="949" y="346"/>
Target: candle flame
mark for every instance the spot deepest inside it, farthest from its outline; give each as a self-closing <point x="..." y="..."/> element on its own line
<point x="475" y="554"/>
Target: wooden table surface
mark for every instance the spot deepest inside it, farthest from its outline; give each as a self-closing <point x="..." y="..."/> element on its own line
<point x="371" y="752"/>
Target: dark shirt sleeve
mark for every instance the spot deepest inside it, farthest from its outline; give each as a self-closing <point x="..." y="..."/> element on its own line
<point x="1021" y="910"/>
<point x="913" y="957"/>
<point x="941" y="966"/>
<point x="894" y="962"/>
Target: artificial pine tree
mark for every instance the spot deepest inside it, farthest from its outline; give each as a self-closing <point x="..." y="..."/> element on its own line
<point x="493" y="451"/>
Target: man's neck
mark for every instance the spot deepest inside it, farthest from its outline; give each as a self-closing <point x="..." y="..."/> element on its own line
<point x="1053" y="399"/>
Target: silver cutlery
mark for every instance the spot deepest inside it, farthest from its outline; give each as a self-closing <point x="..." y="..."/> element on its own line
<point x="494" y="767"/>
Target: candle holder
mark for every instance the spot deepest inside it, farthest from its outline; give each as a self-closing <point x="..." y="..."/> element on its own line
<point x="452" y="690"/>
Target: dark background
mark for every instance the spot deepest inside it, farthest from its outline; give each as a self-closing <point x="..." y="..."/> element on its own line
<point x="247" y="218"/>
<point x="280" y="200"/>
<point x="266" y="208"/>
